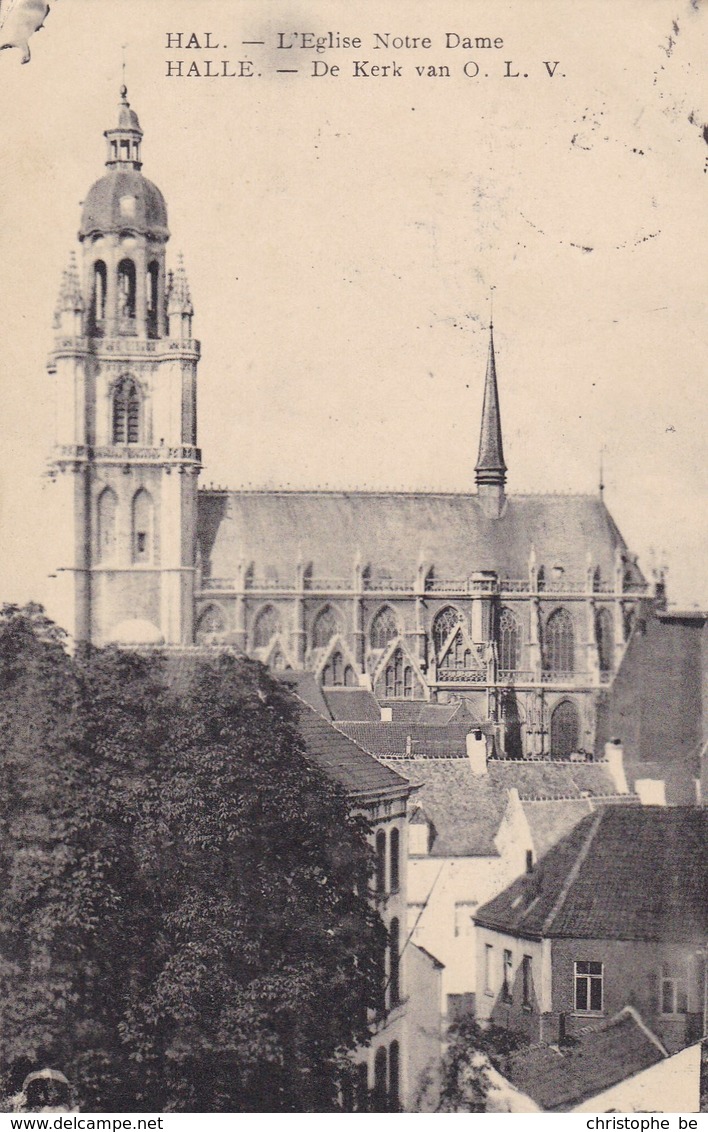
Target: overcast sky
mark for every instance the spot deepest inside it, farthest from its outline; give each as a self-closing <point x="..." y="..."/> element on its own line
<point x="342" y="234"/>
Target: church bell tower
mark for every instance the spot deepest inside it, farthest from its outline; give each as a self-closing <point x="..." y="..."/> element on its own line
<point x="125" y="463"/>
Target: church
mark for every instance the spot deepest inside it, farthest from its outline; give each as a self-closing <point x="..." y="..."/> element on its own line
<point x="520" y="605"/>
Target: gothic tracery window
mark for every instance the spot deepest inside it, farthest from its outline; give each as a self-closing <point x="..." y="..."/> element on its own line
<point x="559" y="651"/>
<point x="443" y="625"/>
<point x="126" y="412"/>
<point x="384" y="628"/>
<point x="395" y="676"/>
<point x="333" y="672"/>
<point x="265" y="627"/>
<point x="509" y="641"/>
<point x="324" y="628"/>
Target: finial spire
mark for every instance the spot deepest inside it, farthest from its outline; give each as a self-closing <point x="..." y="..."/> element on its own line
<point x="490" y="467"/>
<point x="602" y="472"/>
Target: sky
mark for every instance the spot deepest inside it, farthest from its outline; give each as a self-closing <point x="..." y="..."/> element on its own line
<point x="343" y="233"/>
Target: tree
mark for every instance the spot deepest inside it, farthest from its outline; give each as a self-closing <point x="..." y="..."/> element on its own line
<point x="472" y="1051"/>
<point x="179" y="922"/>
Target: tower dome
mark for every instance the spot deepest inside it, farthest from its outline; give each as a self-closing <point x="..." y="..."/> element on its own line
<point x="123" y="199"/>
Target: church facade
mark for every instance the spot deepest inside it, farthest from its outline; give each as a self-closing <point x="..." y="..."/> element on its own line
<point x="520" y="604"/>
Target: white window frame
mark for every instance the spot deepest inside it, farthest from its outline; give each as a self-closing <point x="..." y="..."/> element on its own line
<point x="588" y="979"/>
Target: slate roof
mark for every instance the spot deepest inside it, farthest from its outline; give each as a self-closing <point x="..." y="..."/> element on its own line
<point x="352" y="704"/>
<point x="390" y="740"/>
<point x="465" y="810"/>
<point x="393" y="531"/>
<point x="625" y="872"/>
<point x="560" y="1077"/>
<point x="358" y="772"/>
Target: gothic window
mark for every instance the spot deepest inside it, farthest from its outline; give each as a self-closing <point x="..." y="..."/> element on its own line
<point x="107" y="508"/>
<point x="99" y="291"/>
<point x="151" y="290"/>
<point x="265" y="627"/>
<point x="541" y="579"/>
<point x="324" y="628"/>
<point x="333" y="675"/>
<point x="126" y="288"/>
<point x="603" y="636"/>
<point x="383" y="628"/>
<point x="350" y="677"/>
<point x="126" y="412"/>
<point x="559" y="652"/>
<point x="445" y="621"/>
<point x="408" y="683"/>
<point x="209" y="625"/>
<point x="509" y="641"/>
<point x="565" y="730"/>
<point x="394" y="676"/>
<point x="142" y="526"/>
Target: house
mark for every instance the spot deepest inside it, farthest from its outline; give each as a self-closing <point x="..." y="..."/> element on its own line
<point x="614" y="915"/>
<point x="476" y="824"/>
<point x="617" y="1064"/>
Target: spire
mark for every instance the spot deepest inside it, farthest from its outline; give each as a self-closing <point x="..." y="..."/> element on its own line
<point x="490" y="467"/>
<point x="124" y="140"/>
<point x="179" y="303"/>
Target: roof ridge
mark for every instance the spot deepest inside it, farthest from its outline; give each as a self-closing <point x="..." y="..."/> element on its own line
<point x="573" y="874"/>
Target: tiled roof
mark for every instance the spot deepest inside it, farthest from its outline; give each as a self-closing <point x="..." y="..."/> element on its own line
<point x="625" y="872"/>
<point x="595" y="1059"/>
<point x="549" y="821"/>
<point x="420" y="711"/>
<point x="543" y="780"/>
<point x="465" y="810"/>
<point x="394" y="531"/>
<point x="396" y="740"/>
<point x="358" y="772"/>
<point x="306" y="687"/>
<point x="352" y="704"/>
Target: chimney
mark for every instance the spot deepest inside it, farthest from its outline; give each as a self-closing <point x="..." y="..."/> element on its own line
<point x="387" y="715"/>
<point x="476" y="745"/>
<point x="614" y="757"/>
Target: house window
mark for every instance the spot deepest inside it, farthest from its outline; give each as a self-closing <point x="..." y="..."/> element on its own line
<point x="394" y="953"/>
<point x="508" y="976"/>
<point x="394" y="1088"/>
<point x="588" y="987"/>
<point x="380" y="863"/>
<point x="380" y="1096"/>
<point x="394" y="863"/>
<point x="464" y="913"/>
<point x="674" y="999"/>
<point x="488" y="961"/>
<point x="526" y="981"/>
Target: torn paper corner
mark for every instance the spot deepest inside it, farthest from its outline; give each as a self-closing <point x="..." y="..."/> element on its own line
<point x="19" y="20"/>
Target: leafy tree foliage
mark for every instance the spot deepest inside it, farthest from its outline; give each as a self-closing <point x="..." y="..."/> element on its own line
<point x="179" y="922"/>
<point x="471" y="1049"/>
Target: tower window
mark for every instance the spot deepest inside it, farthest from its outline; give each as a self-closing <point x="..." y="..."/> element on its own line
<point x="142" y="526"/>
<point x="126" y="288"/>
<point x="99" y="291"/>
<point x="151" y="288"/>
<point x="126" y="413"/>
<point x="107" y="509"/>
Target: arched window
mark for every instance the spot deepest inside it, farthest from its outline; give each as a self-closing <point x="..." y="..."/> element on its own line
<point x="210" y="625"/>
<point x="565" y="730"/>
<point x="509" y="641"/>
<point x="513" y="725"/>
<point x="443" y="625"/>
<point x="394" y="676"/>
<point x="394" y="1077"/>
<point x="408" y="683"/>
<point x="380" y="863"/>
<point x="394" y="959"/>
<point x="99" y="293"/>
<point x="106" y="526"/>
<point x="350" y="677"/>
<point x="559" y="653"/>
<point x="126" y="289"/>
<point x="384" y="628"/>
<point x="126" y="412"/>
<point x="265" y="627"/>
<point x="325" y="627"/>
<point x="605" y="639"/>
<point x="333" y="672"/>
<point x="151" y="289"/>
<point x="142" y="526"/>
<point x="380" y="1094"/>
<point x="394" y="857"/>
